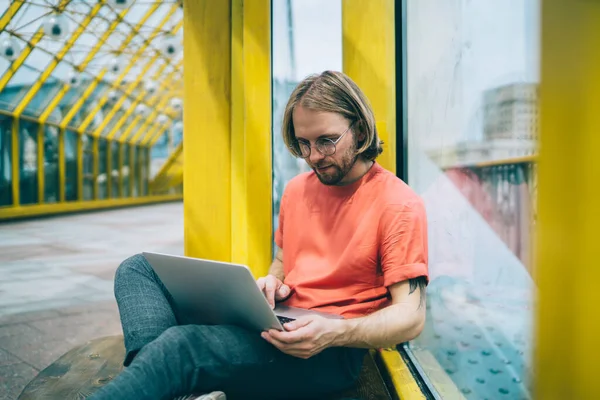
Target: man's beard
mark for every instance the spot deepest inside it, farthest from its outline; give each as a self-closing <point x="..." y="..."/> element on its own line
<point x="337" y="172"/>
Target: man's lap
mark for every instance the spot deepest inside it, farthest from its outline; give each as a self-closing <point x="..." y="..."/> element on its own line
<point x="240" y="362"/>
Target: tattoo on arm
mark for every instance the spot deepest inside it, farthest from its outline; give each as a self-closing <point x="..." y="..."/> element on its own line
<point x="421" y="283"/>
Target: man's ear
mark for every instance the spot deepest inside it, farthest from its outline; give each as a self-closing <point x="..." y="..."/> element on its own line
<point x="359" y="130"/>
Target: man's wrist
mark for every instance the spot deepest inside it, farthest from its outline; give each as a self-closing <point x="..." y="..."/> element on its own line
<point x="343" y="330"/>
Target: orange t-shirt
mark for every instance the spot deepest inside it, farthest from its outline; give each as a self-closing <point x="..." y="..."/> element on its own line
<point x="344" y="245"/>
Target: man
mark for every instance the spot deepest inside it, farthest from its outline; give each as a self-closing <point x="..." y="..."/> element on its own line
<point x="352" y="240"/>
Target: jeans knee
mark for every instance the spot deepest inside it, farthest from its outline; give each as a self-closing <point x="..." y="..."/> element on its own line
<point x="136" y="263"/>
<point x="180" y="339"/>
<point x="130" y="269"/>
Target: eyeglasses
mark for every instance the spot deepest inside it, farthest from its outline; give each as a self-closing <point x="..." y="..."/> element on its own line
<point x="325" y="146"/>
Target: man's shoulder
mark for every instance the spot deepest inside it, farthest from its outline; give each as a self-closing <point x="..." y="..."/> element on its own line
<point x="396" y="194"/>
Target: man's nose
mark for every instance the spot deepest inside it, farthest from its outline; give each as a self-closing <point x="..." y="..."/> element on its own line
<point x="315" y="156"/>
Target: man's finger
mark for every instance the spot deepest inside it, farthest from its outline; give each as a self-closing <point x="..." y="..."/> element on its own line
<point x="260" y="282"/>
<point x="288" y="337"/>
<point x="299" y="323"/>
<point x="282" y="292"/>
<point x="270" y="287"/>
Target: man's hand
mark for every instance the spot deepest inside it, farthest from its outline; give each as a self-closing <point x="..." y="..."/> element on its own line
<point x="273" y="289"/>
<point x="306" y="336"/>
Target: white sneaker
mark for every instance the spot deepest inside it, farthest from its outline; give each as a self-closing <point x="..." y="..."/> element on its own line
<point x="212" y="396"/>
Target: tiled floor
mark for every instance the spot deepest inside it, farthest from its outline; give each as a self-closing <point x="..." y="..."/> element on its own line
<point x="56" y="281"/>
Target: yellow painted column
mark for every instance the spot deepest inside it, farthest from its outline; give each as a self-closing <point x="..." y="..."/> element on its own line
<point x="227" y="141"/>
<point x="251" y="171"/>
<point x="207" y="143"/>
<point x="369" y="59"/>
<point x="568" y="324"/>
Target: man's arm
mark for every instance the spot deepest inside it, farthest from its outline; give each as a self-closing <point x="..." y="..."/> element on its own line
<point x="402" y="321"/>
<point x="276" y="268"/>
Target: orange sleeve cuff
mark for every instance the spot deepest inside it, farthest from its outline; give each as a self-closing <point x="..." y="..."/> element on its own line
<point x="404" y="272"/>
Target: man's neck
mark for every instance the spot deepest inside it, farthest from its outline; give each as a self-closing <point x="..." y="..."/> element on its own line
<point x="359" y="169"/>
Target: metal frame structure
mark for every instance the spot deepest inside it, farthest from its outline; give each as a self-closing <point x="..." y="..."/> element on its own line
<point x="115" y="119"/>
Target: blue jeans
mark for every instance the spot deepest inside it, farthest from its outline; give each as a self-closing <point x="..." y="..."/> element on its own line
<point x="167" y="357"/>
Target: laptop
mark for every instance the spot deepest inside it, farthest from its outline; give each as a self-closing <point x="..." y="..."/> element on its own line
<point x="208" y="292"/>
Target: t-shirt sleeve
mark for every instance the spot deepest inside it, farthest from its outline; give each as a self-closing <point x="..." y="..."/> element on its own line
<point x="279" y="231"/>
<point x="403" y="233"/>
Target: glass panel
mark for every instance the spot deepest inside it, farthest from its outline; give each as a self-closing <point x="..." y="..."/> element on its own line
<point x="125" y="170"/>
<point x="115" y="169"/>
<point x="88" y="167"/>
<point x="307" y="39"/>
<point x="135" y="171"/>
<point x="5" y="161"/>
<point x="472" y="126"/>
<point x="101" y="179"/>
<point x="71" y="139"/>
<point x="51" y="181"/>
<point x="28" y="162"/>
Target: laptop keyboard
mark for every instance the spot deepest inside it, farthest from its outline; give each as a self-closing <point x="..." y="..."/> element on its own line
<point x="284" y="320"/>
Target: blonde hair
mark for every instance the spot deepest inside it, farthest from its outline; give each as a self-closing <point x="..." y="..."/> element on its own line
<point x="335" y="92"/>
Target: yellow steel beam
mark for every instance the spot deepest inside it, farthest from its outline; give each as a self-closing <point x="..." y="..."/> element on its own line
<point x="89" y="57"/>
<point x="251" y="175"/>
<point x="173" y="157"/>
<point x="10" y="12"/>
<point x="132" y="62"/>
<point x="121" y="161"/>
<point x="81" y="101"/>
<point x="369" y="59"/>
<point x="160" y="107"/>
<point x="166" y="81"/>
<point x="568" y="327"/>
<point x="207" y="142"/>
<point x="9" y="213"/>
<point x="156" y="131"/>
<point x="130" y="128"/>
<point x="33" y="90"/>
<point x="35" y="39"/>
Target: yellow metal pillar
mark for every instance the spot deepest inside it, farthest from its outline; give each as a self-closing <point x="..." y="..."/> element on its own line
<point x="207" y="142"/>
<point x="369" y="59"/>
<point x="227" y="141"/>
<point x="568" y="326"/>
<point x="251" y="177"/>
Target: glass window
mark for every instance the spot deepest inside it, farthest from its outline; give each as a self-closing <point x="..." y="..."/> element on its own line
<point x="88" y="167"/>
<point x="71" y="157"/>
<point x="28" y="162"/>
<point x="125" y="169"/>
<point x="307" y="39"/>
<point x="51" y="182"/>
<point x="135" y="171"/>
<point x="5" y="161"/>
<point x="472" y="69"/>
<point x="101" y="179"/>
<point x="115" y="169"/>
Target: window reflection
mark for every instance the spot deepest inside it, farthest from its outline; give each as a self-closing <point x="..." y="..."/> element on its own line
<point x="473" y="123"/>
<point x="5" y="161"/>
<point x="28" y="162"/>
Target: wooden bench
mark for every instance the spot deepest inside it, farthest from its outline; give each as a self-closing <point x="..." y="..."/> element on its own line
<point x="82" y="370"/>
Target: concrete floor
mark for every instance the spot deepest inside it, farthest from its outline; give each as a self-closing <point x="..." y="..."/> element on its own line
<point x="56" y="281"/>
